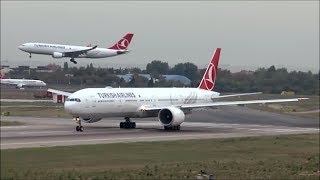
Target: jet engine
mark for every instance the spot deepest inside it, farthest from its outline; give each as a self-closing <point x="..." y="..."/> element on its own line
<point x="91" y="120"/>
<point x="19" y="85"/>
<point x="171" y="116"/>
<point x="57" y="55"/>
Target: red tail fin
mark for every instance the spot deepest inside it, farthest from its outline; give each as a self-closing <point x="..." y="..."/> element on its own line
<point x="123" y="43"/>
<point x="209" y="77"/>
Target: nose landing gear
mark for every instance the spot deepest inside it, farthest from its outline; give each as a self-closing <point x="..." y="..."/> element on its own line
<point x="78" y="121"/>
<point x="127" y="124"/>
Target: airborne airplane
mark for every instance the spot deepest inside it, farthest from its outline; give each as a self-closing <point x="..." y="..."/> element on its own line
<point x="60" y="51"/>
<point x="170" y="105"/>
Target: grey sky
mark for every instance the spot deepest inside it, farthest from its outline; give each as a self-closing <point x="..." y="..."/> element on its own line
<point x="285" y="33"/>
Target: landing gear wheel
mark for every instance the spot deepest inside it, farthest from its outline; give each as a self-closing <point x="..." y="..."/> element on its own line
<point x="121" y="125"/>
<point x="175" y="128"/>
<point x="78" y="121"/>
<point x="30" y="55"/>
<point x="133" y="125"/>
<point x="72" y="60"/>
<point x="127" y="124"/>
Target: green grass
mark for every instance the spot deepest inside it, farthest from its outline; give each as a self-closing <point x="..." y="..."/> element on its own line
<point x="30" y="104"/>
<point x="281" y="157"/>
<point x="44" y="111"/>
<point x="10" y="123"/>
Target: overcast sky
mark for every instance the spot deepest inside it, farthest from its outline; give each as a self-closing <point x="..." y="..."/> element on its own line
<point x="250" y="33"/>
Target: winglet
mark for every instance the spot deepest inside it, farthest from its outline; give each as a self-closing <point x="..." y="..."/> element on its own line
<point x="94" y="47"/>
<point x="123" y="43"/>
<point x="300" y="99"/>
<point x="209" y="77"/>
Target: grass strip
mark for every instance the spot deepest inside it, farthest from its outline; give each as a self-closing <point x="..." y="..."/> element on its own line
<point x="271" y="157"/>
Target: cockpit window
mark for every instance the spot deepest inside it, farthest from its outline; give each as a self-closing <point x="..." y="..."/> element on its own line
<point x="73" y="99"/>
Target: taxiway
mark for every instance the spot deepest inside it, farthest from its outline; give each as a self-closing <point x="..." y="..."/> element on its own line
<point x="224" y="122"/>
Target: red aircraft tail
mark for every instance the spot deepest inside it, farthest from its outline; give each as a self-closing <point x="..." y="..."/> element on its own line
<point x="123" y="43"/>
<point x="209" y="77"/>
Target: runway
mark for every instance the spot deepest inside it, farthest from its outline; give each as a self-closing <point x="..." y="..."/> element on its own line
<point x="225" y="122"/>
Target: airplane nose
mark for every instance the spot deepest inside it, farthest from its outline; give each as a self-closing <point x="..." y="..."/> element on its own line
<point x="22" y="47"/>
<point x="68" y="106"/>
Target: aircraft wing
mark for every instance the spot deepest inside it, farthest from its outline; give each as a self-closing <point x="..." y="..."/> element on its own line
<point x="226" y="103"/>
<point x="53" y="91"/>
<point x="235" y="95"/>
<point x="77" y="53"/>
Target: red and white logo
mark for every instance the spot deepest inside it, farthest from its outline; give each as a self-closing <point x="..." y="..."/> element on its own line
<point x="123" y="44"/>
<point x="209" y="77"/>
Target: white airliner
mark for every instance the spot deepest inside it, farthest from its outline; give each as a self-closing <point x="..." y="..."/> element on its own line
<point x="168" y="104"/>
<point x="60" y="51"/>
<point x="20" y="83"/>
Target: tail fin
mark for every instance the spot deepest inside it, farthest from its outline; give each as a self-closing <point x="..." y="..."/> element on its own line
<point x="123" y="43"/>
<point x="209" y="77"/>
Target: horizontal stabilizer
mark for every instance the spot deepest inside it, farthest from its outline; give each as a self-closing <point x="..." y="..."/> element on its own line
<point x="53" y="91"/>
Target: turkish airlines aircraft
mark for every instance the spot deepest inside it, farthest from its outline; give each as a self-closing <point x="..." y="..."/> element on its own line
<point x="168" y="104"/>
<point x="20" y="83"/>
<point x="60" y="51"/>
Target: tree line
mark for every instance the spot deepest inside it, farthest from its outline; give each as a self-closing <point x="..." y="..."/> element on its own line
<point x="267" y="80"/>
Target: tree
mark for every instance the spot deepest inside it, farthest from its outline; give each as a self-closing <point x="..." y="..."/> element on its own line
<point x="186" y="69"/>
<point x="157" y="67"/>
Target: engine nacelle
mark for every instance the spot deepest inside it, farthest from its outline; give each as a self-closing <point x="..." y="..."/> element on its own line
<point x="171" y="116"/>
<point x="19" y="85"/>
<point x="57" y="55"/>
<point x="91" y="120"/>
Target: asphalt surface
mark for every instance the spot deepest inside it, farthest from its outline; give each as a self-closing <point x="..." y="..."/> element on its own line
<point x="225" y="122"/>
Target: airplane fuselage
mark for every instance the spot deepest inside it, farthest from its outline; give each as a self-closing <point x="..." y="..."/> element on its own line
<point x="23" y="82"/>
<point x="51" y="49"/>
<point x="129" y="102"/>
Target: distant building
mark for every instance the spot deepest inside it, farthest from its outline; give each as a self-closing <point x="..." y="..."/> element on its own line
<point x="23" y="68"/>
<point x="5" y="66"/>
<point x="184" y="80"/>
<point x="43" y="69"/>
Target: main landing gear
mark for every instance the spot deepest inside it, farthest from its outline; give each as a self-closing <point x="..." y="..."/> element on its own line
<point x="127" y="124"/>
<point x="29" y="55"/>
<point x="72" y="60"/>
<point x="175" y="128"/>
<point x="78" y="121"/>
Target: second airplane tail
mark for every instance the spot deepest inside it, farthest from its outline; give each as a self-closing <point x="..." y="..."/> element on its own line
<point x="209" y="77"/>
<point x="123" y="43"/>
